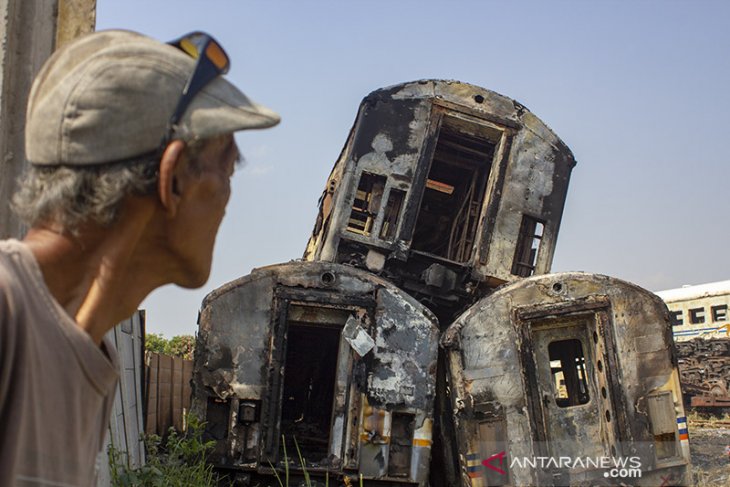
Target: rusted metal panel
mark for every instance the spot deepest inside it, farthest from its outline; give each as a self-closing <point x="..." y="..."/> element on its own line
<point x="433" y="187"/>
<point x="567" y="365"/>
<point x="334" y="357"/>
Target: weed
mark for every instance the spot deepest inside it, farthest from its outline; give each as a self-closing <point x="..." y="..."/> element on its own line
<point x="179" y="461"/>
<point x="303" y="465"/>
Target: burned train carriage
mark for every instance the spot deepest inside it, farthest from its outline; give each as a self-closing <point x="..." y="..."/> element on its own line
<point x="319" y="357"/>
<point x="447" y="189"/>
<point x="574" y="366"/>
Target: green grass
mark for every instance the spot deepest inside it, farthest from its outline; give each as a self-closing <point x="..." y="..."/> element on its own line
<point x="178" y="461"/>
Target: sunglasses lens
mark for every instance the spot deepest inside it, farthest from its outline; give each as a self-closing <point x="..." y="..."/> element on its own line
<point x="217" y="56"/>
<point x="189" y="47"/>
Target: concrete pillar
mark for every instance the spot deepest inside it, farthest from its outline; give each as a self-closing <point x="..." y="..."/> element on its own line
<point x="29" y="31"/>
<point x="75" y="18"/>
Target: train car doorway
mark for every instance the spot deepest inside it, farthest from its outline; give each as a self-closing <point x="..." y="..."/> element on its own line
<point x="309" y="383"/>
<point x="310" y="379"/>
<point x="573" y="405"/>
<point x="455" y="189"/>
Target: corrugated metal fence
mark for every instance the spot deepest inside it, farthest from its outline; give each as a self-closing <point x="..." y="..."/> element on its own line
<point x="126" y="422"/>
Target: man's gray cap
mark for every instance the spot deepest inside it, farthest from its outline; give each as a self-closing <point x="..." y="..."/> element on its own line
<point x="109" y="96"/>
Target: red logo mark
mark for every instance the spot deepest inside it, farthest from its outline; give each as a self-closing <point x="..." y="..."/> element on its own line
<point x="488" y="462"/>
<point x="665" y="481"/>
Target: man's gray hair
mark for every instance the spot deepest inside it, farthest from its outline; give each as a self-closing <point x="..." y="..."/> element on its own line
<point x="69" y="196"/>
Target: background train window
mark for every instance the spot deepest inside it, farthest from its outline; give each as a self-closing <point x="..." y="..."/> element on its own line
<point x="366" y="205"/>
<point x="675" y="317"/>
<point x="528" y="246"/>
<point x="568" y="368"/>
<point x="455" y="188"/>
<point x="719" y="312"/>
<point x="697" y="316"/>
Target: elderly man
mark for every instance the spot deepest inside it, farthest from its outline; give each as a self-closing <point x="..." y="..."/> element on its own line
<point x="131" y="151"/>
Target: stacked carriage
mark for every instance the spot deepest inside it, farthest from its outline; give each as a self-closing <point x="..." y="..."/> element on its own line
<point x="439" y="220"/>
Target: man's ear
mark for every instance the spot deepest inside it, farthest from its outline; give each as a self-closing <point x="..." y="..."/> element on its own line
<point x="170" y="181"/>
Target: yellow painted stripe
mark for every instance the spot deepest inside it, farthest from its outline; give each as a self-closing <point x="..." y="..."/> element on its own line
<point x="421" y="442"/>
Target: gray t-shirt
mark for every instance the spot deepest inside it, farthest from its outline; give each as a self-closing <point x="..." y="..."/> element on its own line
<point x="56" y="386"/>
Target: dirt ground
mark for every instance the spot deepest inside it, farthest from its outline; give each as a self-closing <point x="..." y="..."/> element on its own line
<point x="710" y="463"/>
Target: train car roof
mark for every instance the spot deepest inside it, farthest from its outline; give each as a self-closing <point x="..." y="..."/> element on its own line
<point x="686" y="293"/>
<point x="468" y="96"/>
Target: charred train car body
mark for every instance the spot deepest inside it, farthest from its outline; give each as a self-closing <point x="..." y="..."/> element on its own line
<point x="334" y="358"/>
<point x="450" y="193"/>
<point x="446" y="189"/>
<point x="567" y="365"/>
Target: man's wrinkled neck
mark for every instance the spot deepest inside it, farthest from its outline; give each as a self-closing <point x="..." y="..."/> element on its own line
<point x="99" y="275"/>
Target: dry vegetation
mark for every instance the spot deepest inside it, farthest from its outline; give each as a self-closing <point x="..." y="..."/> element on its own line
<point x="709" y="437"/>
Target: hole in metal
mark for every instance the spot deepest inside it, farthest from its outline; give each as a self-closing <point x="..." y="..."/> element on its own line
<point x="327" y="278"/>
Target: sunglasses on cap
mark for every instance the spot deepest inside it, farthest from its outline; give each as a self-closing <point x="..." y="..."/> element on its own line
<point x="212" y="61"/>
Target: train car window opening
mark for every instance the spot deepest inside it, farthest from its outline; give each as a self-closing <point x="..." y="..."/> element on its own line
<point x="568" y="369"/>
<point x="454" y="192"/>
<point x="401" y="444"/>
<point x="310" y="370"/>
<point x="366" y="205"/>
<point x="392" y="212"/>
<point x="719" y="313"/>
<point x="697" y="316"/>
<point x="675" y="317"/>
<point x="528" y="246"/>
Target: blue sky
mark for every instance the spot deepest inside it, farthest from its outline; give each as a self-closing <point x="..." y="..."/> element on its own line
<point x="637" y="89"/>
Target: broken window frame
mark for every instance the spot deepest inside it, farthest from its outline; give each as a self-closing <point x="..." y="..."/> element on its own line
<point x="496" y="134"/>
<point x="575" y="379"/>
<point x="369" y="192"/>
<point x="527" y="248"/>
<point x="285" y="297"/>
<point x="391" y="216"/>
